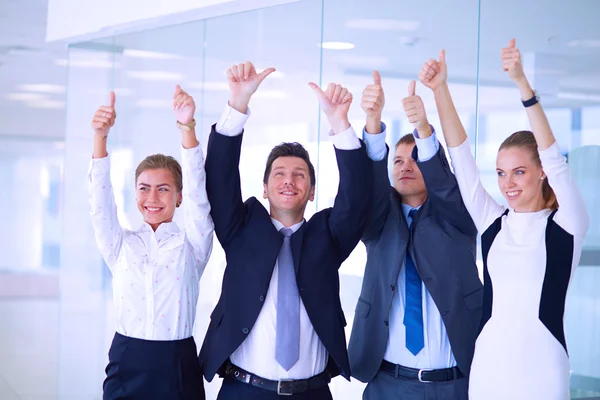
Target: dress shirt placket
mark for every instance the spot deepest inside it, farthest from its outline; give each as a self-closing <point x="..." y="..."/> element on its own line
<point x="149" y="267"/>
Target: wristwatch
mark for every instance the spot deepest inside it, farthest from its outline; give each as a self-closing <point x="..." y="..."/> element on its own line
<point x="186" y="127"/>
<point x="533" y="101"/>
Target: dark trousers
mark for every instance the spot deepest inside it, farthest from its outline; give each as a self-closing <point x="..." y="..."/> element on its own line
<point x="236" y="390"/>
<point x="387" y="387"/>
<point x="153" y="370"/>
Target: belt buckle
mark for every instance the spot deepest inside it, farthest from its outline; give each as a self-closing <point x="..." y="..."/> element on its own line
<point x="420" y="375"/>
<point x="280" y="391"/>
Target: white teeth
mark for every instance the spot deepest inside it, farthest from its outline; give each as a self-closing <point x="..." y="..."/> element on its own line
<point x="152" y="209"/>
<point x="288" y="192"/>
<point x="511" y="194"/>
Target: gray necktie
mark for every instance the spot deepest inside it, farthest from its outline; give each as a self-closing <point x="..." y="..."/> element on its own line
<point x="287" y="346"/>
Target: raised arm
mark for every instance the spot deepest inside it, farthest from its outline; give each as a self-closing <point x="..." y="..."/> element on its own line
<point x="372" y="102"/>
<point x="223" y="154"/>
<point x="348" y="216"/>
<point x="441" y="184"/>
<point x="572" y="214"/>
<point x="481" y="206"/>
<point x="103" y="210"/>
<point x="198" y="222"/>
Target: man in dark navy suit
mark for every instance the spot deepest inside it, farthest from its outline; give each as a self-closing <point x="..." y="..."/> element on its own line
<point x="278" y="328"/>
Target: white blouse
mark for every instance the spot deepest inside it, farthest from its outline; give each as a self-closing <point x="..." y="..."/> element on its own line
<point x="156" y="275"/>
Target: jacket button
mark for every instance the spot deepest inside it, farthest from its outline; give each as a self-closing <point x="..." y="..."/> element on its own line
<point x="262" y="298"/>
<point x="245" y="331"/>
<point x="393" y="287"/>
<point x="445" y="312"/>
<point x="386" y="323"/>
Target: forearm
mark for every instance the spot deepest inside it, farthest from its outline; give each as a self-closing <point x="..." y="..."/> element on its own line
<point x="373" y="125"/>
<point x="339" y="124"/>
<point x="452" y="127"/>
<point x="188" y="139"/>
<point x="99" y="146"/>
<point x="537" y="117"/>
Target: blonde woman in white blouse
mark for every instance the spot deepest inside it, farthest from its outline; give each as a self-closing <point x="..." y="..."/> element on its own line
<point x="156" y="268"/>
<point x="530" y="249"/>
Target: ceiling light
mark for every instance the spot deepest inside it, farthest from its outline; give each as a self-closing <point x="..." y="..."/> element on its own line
<point x="42" y="88"/>
<point x="26" y="96"/>
<point x="578" y="96"/>
<point x="337" y="45"/>
<point x="82" y="63"/>
<point x="584" y="43"/>
<point x="162" y="76"/>
<point x="383" y="24"/>
<point x="150" y="54"/>
<point x="55" y="104"/>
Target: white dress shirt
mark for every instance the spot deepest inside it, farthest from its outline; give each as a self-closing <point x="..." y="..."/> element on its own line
<point x="155" y="274"/>
<point x="256" y="354"/>
<point x="436" y="352"/>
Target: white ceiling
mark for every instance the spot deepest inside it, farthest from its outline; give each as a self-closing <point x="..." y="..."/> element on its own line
<point x="391" y="36"/>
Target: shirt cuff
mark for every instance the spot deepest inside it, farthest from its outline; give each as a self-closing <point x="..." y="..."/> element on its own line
<point x="346" y="140"/>
<point x="551" y="152"/>
<point x="98" y="167"/>
<point x="232" y="121"/>
<point x="189" y="154"/>
<point x="375" y="143"/>
<point x="428" y="147"/>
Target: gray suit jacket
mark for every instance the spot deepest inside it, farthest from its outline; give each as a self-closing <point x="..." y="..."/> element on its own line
<point x="443" y="245"/>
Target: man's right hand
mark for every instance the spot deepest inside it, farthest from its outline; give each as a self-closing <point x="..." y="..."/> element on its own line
<point x="104" y="118"/>
<point x="243" y="81"/>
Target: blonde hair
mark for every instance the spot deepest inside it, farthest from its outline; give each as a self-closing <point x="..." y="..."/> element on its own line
<point x="158" y="161"/>
<point x="526" y="140"/>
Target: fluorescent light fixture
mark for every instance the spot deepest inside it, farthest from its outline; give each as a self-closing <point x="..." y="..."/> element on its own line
<point x="364" y="61"/>
<point x="337" y="45"/>
<point x="383" y="24"/>
<point x="159" y="76"/>
<point x="210" y="86"/>
<point x="83" y="63"/>
<point x="118" y="91"/>
<point x="153" y="55"/>
<point x="26" y="96"/>
<point x="584" y="43"/>
<point x="270" y="94"/>
<point x="578" y="96"/>
<point x="42" y="88"/>
<point x="53" y="104"/>
<point x="155" y="103"/>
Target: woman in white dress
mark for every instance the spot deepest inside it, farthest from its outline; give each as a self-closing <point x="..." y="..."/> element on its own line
<point x="156" y="268"/>
<point x="530" y="250"/>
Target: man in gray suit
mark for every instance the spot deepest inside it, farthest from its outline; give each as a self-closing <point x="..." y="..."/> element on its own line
<point x="419" y="310"/>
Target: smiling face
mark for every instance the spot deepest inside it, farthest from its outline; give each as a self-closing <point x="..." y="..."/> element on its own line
<point x="157" y="196"/>
<point x="289" y="186"/>
<point x="408" y="180"/>
<point x="520" y="179"/>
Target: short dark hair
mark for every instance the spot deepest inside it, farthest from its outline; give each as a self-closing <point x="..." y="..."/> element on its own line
<point x="289" y="150"/>
<point x="406" y="139"/>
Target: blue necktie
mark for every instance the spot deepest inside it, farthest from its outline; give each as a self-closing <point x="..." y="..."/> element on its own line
<point x="287" y="342"/>
<point x="413" y="309"/>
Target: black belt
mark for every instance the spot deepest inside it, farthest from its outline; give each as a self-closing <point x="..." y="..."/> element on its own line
<point x="284" y="387"/>
<point x="421" y="375"/>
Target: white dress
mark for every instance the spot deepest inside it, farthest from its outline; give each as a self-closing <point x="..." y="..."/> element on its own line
<point x="529" y="260"/>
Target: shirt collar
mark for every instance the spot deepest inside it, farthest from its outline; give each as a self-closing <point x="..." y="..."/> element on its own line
<point x="279" y="225"/>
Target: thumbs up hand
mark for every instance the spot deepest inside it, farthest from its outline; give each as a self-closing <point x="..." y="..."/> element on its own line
<point x="104" y="118"/>
<point x="373" y="98"/>
<point x="511" y="61"/>
<point x="434" y="74"/>
<point x="415" y="111"/>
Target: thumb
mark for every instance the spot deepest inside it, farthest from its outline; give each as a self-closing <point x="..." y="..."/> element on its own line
<point x="376" y="78"/>
<point x="512" y="43"/>
<point x="443" y="57"/>
<point x="411" y="88"/>
<point x="111" y="99"/>
<point x="177" y="89"/>
<point x="265" y="73"/>
<point x="319" y="92"/>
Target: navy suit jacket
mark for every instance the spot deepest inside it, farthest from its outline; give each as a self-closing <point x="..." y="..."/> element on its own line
<point x="252" y="243"/>
<point x="442" y="242"/>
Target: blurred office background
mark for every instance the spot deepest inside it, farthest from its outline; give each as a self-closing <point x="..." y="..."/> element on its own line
<point x="55" y="290"/>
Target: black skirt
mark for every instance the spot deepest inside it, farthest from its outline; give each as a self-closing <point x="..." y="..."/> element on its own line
<point x="141" y="369"/>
